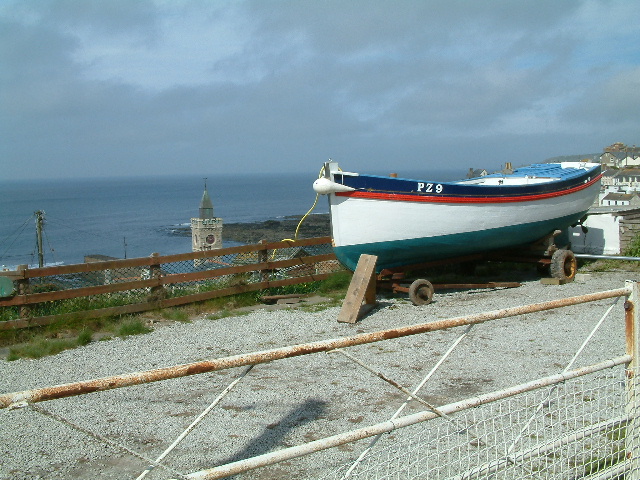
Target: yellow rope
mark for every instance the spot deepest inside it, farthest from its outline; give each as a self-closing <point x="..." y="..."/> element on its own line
<point x="295" y="237"/>
<point x="305" y="216"/>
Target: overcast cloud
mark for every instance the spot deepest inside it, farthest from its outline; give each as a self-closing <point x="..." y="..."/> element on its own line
<point x="123" y="88"/>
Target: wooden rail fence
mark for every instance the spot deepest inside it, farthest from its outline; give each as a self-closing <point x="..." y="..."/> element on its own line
<point x="228" y="270"/>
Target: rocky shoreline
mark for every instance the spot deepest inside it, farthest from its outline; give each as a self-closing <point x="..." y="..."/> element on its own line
<point x="316" y="225"/>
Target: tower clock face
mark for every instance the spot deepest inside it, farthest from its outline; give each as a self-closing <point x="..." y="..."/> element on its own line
<point x="211" y="239"/>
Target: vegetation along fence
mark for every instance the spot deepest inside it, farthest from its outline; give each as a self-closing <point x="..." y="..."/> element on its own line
<point x="116" y="287"/>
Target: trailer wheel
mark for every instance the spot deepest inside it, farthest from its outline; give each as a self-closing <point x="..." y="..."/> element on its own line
<point x="421" y="292"/>
<point x="563" y="265"/>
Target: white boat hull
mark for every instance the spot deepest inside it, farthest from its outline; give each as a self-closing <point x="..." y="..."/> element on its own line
<point x="405" y="228"/>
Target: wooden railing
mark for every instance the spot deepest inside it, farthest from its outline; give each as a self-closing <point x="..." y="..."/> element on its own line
<point x="229" y="270"/>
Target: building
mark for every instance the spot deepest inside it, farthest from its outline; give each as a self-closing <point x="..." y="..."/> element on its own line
<point x="206" y="230"/>
<point x="478" y="172"/>
<point x="607" y="179"/>
<point x="621" y="147"/>
<point x="608" y="231"/>
<point x="627" y="177"/>
<point x="619" y="155"/>
<point x="620" y="199"/>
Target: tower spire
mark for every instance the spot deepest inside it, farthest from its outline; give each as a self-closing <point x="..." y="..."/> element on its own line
<point x="206" y="206"/>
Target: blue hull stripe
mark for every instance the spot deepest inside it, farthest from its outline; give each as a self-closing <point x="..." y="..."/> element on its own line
<point x="418" y="250"/>
<point x="567" y="180"/>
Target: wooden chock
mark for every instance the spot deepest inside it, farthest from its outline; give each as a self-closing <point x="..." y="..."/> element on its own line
<point x="361" y="296"/>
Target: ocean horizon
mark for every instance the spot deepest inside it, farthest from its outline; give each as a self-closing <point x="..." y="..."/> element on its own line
<point x="137" y="216"/>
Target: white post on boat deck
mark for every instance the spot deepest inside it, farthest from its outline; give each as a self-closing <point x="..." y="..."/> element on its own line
<point x="632" y="335"/>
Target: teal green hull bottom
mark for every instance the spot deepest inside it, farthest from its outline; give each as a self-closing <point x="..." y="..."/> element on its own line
<point x="400" y="253"/>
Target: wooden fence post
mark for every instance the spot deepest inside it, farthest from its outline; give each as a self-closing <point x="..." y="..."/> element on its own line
<point x="263" y="257"/>
<point x="24" y="288"/>
<point x="157" y="292"/>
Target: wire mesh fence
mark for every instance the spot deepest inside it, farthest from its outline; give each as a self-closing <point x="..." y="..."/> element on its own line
<point x="63" y="290"/>
<point x="578" y="429"/>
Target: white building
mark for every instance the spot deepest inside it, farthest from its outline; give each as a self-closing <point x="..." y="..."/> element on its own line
<point x="609" y="230"/>
<point x="614" y="199"/>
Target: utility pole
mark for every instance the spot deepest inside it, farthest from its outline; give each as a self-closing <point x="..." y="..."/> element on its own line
<point x="39" y="223"/>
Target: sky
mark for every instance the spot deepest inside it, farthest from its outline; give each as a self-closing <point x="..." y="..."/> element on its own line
<point x="131" y="88"/>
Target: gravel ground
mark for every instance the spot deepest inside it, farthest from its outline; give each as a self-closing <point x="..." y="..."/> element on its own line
<point x="291" y="401"/>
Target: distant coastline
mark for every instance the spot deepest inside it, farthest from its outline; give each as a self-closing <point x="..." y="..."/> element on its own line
<point x="316" y="225"/>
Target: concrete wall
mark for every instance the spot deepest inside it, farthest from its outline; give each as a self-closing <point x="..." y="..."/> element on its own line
<point x="602" y="237"/>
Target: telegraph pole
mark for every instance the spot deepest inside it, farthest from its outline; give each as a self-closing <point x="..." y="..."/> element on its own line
<point x="39" y="223"/>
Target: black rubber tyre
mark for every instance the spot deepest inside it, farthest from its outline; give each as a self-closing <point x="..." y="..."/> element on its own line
<point x="421" y="292"/>
<point x="563" y="265"/>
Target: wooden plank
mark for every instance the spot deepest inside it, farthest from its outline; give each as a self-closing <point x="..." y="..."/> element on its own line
<point x="360" y="290"/>
<point x="278" y="298"/>
<point x="199" y="297"/>
<point x="463" y="286"/>
<point x="148" y="261"/>
<point x="34" y="298"/>
<point x="251" y="267"/>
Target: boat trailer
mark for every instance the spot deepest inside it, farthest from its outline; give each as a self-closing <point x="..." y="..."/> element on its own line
<point x="558" y="263"/>
<point x="552" y="261"/>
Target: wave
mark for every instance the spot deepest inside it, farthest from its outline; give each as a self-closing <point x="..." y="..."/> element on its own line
<point x="13" y="268"/>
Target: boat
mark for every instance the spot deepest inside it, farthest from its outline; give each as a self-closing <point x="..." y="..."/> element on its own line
<point x="408" y="222"/>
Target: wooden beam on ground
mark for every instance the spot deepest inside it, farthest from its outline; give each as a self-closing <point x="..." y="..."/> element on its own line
<point x="453" y="286"/>
<point x="361" y="296"/>
<point x="555" y="281"/>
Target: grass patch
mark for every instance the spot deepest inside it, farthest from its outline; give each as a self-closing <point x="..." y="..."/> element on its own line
<point x="599" y="266"/>
<point x="337" y="282"/>
<point x="175" y="314"/>
<point x="39" y="342"/>
<point x="231" y="302"/>
<point x="42" y="346"/>
<point x="132" y="326"/>
<point x="84" y="338"/>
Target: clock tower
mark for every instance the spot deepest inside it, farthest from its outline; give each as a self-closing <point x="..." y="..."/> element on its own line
<point x="206" y="230"/>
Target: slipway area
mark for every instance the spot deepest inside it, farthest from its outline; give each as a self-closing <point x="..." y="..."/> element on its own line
<point x="289" y="402"/>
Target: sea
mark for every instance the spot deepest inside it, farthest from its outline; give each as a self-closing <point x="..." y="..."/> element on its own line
<point x="138" y="216"/>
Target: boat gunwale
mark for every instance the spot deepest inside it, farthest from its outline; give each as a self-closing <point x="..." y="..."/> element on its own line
<point x="378" y="187"/>
<point x="465" y="198"/>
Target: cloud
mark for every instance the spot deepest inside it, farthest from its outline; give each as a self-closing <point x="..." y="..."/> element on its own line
<point x="132" y="88"/>
<point x="611" y="105"/>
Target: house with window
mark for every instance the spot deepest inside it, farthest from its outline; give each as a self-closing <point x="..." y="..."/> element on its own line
<point x="628" y="178"/>
<point x="621" y="199"/>
<point x="607" y="177"/>
<point x="478" y="172"/>
<point x="613" y="159"/>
